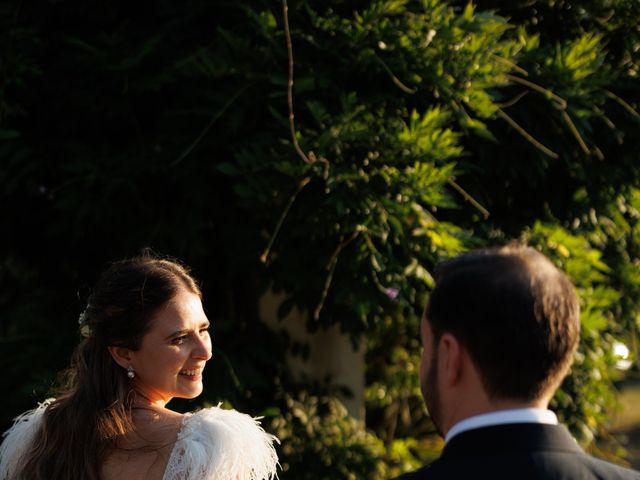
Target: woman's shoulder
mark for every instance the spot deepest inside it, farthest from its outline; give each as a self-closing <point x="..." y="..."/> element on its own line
<point x="17" y="440"/>
<point x="218" y="443"/>
<point x="209" y="419"/>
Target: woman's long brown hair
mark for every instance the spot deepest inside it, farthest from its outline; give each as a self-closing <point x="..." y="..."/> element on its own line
<point x="83" y="425"/>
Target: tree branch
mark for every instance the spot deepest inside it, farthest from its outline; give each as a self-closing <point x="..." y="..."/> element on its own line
<point x="575" y="132"/>
<point x="292" y="127"/>
<point x="467" y="197"/>
<point x="331" y="266"/>
<point x="622" y="103"/>
<point x="394" y="79"/>
<point x="265" y="255"/>
<point x="562" y="103"/>
<point x="527" y="135"/>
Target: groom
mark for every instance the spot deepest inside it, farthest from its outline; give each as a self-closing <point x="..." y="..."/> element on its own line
<point x="498" y="335"/>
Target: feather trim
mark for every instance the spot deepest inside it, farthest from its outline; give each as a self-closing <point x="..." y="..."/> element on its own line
<point x="18" y="439"/>
<point x="217" y="444"/>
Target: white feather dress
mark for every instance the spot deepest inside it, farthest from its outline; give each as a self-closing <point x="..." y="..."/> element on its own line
<point x="213" y="444"/>
<point x="217" y="444"/>
<point x="18" y="438"/>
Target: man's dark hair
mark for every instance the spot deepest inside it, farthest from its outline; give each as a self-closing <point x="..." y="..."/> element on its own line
<point x="517" y="315"/>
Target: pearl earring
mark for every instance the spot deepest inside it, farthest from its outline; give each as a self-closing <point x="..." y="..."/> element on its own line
<point x="130" y="372"/>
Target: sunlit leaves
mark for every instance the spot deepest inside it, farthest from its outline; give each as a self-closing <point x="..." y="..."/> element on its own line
<point x="426" y="138"/>
<point x="593" y="372"/>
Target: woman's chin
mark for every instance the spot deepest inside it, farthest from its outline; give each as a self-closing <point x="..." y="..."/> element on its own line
<point x="192" y="392"/>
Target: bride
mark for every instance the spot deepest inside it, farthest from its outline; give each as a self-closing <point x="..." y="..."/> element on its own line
<point x="146" y="341"/>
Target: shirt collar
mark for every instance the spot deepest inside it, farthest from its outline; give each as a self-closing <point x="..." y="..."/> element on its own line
<point x="502" y="417"/>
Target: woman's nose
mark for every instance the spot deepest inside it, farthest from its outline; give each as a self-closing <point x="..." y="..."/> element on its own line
<point x="203" y="350"/>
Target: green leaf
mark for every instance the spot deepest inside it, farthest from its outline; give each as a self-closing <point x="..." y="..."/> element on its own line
<point x="229" y="169"/>
<point x="478" y="128"/>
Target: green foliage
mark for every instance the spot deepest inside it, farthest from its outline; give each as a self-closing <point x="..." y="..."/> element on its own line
<point x="586" y="392"/>
<point x="321" y="440"/>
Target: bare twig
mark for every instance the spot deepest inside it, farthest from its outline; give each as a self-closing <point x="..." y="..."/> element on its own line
<point x="265" y="255"/>
<point x="292" y="127"/>
<point x="605" y="119"/>
<point x="394" y="79"/>
<point x="598" y="153"/>
<point x="213" y="120"/>
<point x="527" y="135"/>
<point x="622" y="103"/>
<point x="331" y="266"/>
<point x="451" y="181"/>
<point x="513" y="101"/>
<point x="511" y="64"/>
<point x="562" y="103"/>
<point x="574" y="131"/>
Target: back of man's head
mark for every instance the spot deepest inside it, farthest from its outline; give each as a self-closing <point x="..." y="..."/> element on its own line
<point x="515" y="313"/>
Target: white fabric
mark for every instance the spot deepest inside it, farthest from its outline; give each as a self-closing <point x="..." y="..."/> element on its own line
<point x="503" y="417"/>
<point x="18" y="438"/>
<point x="217" y="444"/>
<point x="213" y="444"/>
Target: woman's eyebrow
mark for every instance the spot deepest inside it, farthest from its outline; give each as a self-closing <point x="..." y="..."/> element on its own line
<point x="185" y="331"/>
<point x="178" y="333"/>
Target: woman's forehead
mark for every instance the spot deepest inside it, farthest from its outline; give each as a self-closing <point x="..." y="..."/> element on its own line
<point x="182" y="311"/>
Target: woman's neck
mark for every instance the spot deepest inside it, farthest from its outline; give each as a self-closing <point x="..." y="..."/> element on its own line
<point x="142" y="401"/>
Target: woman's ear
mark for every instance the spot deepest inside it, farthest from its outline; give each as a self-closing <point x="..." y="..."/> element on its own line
<point x="121" y="355"/>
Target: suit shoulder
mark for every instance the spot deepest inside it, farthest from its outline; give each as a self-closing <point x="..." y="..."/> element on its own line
<point x="425" y="473"/>
<point x="612" y="471"/>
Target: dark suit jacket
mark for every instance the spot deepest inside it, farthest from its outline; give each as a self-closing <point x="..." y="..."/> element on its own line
<point x="523" y="451"/>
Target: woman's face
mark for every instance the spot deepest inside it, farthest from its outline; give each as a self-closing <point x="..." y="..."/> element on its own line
<point x="173" y="352"/>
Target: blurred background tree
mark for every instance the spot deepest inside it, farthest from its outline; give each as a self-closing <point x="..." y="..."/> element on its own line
<point x="422" y="129"/>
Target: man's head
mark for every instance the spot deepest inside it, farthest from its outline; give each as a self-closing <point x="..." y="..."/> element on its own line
<point x="512" y="314"/>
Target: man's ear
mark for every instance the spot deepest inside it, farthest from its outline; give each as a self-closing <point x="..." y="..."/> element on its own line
<point x="121" y="355"/>
<point x="450" y="359"/>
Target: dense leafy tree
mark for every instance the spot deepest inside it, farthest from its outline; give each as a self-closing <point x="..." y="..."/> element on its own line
<point x="420" y="129"/>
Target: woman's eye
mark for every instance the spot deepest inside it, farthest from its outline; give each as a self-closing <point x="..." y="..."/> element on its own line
<point x="179" y="340"/>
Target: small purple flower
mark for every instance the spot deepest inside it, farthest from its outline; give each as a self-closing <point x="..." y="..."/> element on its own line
<point x="392" y="293"/>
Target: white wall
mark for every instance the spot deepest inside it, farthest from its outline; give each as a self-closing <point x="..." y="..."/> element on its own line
<point x="331" y="352"/>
